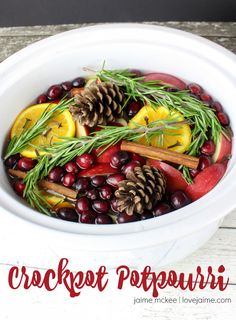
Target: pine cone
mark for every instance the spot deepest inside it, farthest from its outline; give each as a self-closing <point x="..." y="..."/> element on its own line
<point x="98" y="104"/>
<point x="143" y="188"/>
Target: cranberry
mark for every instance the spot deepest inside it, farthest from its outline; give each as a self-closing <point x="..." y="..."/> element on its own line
<point x="26" y="164"/>
<point x="66" y="86"/>
<point x="98" y="181"/>
<point x="103" y="219"/>
<point x="208" y="148"/>
<point x="71" y="167"/>
<point x="119" y="158"/>
<point x="82" y="184"/>
<point x="88" y="217"/>
<point x="82" y="205"/>
<point x="179" y="199"/>
<point x="130" y="166"/>
<point x="92" y="194"/>
<point x="19" y="187"/>
<point x="68" y="214"/>
<point x="78" y="82"/>
<point x="137" y="157"/>
<point x="204" y="162"/>
<point x="136" y="73"/>
<point x="54" y="92"/>
<point x="56" y="174"/>
<point x="161" y="208"/>
<point x="206" y="98"/>
<point x="11" y="161"/>
<point x="101" y="206"/>
<point x="195" y="88"/>
<point x="217" y="106"/>
<point x="146" y="215"/>
<point x="114" y="205"/>
<point x="114" y="179"/>
<point x="223" y="118"/>
<point x="194" y="172"/>
<point x="85" y="161"/>
<point x="69" y="179"/>
<point x="42" y="98"/>
<point x="125" y="218"/>
<point x="133" y="108"/>
<point x="106" y="192"/>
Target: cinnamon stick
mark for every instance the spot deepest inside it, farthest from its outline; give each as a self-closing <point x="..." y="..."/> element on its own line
<point x="44" y="184"/>
<point x="160" y="153"/>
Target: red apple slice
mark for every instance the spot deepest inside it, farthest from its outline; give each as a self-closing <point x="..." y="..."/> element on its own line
<point x="101" y="169"/>
<point x="81" y="130"/>
<point x="105" y="157"/>
<point x="174" y="178"/>
<point x="205" y="181"/>
<point x="166" y="79"/>
<point x="223" y="149"/>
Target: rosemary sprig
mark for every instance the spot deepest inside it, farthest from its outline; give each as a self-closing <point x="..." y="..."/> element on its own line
<point x="67" y="149"/>
<point x="202" y="116"/>
<point x="19" y="143"/>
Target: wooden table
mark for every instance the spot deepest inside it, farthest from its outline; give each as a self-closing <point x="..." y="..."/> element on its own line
<point x="221" y="249"/>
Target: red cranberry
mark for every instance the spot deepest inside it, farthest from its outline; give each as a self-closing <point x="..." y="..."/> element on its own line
<point x="133" y="108"/>
<point x="82" y="205"/>
<point x="146" y="215"/>
<point x="69" y="180"/>
<point x="125" y="218"/>
<point x="194" y="172"/>
<point x="114" y="179"/>
<point x="204" y="162"/>
<point x="42" y="99"/>
<point x="78" y="82"/>
<point x="19" y="187"/>
<point x="217" y="106"/>
<point x="26" y="164"/>
<point x="114" y="206"/>
<point x="103" y="219"/>
<point x="161" y="208"/>
<point x="136" y="73"/>
<point x="56" y="174"/>
<point x="54" y="92"/>
<point x="66" y="86"/>
<point x="130" y="166"/>
<point x="208" y="148"/>
<point x="101" y="206"/>
<point x="195" y="88"/>
<point x="68" y="214"/>
<point x="179" y="199"/>
<point x="98" y="181"/>
<point x="106" y="192"/>
<point x="88" y="218"/>
<point x="71" y="167"/>
<point x="85" y="161"/>
<point x="206" y="98"/>
<point x="140" y="159"/>
<point x="119" y="158"/>
<point x="92" y="194"/>
<point x="82" y="184"/>
<point x="12" y="161"/>
<point x="223" y="118"/>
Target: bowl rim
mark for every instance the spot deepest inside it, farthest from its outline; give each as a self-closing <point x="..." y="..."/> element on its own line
<point x="165" y="224"/>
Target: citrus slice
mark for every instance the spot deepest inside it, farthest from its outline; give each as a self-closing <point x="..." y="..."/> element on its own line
<point x="177" y="139"/>
<point x="62" y="125"/>
<point x="56" y="201"/>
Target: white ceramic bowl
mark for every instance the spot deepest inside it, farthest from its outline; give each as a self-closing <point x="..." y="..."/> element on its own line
<point x="34" y="238"/>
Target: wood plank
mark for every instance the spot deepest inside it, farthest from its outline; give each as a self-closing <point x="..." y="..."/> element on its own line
<point x="223" y="29"/>
<point x="11" y="44"/>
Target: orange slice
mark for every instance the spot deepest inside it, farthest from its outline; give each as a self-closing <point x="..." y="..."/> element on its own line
<point x="62" y="125"/>
<point x="177" y="139"/>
